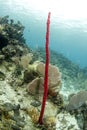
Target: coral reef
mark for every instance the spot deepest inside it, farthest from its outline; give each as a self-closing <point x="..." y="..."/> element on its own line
<point x="73" y="77"/>
<point x="21" y="86"/>
<point x="12" y="42"/>
<point x="19" y="109"/>
<point x="68" y="68"/>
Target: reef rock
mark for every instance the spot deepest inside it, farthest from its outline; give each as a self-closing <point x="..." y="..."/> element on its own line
<point x="66" y="122"/>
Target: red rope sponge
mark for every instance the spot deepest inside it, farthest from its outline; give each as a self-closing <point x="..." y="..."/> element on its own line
<point x="46" y="71"/>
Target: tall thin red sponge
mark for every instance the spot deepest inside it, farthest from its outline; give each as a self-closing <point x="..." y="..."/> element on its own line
<point x="46" y="71"/>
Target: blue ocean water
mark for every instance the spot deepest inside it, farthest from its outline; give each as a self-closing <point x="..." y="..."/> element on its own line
<point x="67" y="36"/>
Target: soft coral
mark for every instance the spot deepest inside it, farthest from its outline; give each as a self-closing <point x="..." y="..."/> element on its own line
<point x="46" y="71"/>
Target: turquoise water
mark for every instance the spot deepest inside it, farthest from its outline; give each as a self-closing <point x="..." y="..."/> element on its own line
<point x="67" y="36"/>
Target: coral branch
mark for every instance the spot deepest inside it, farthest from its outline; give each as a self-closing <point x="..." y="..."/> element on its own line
<point x="46" y="71"/>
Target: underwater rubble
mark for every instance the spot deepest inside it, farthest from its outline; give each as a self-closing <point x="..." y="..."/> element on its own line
<point x="21" y="85"/>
